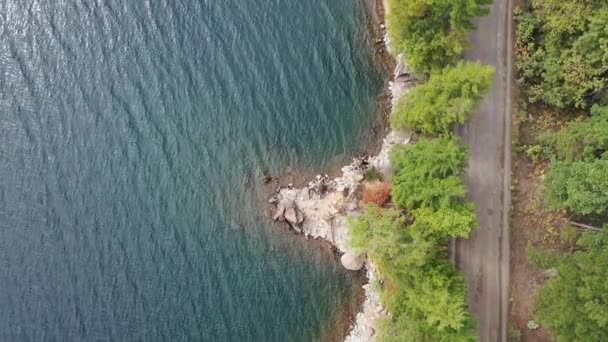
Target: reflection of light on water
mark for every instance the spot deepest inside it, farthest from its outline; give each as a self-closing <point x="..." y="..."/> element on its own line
<point x="133" y="145"/>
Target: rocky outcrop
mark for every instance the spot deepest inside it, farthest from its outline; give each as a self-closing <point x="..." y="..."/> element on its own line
<point x="294" y="216"/>
<point x="325" y="204"/>
<point x="320" y="210"/>
<point x="287" y="210"/>
<point x="364" y="328"/>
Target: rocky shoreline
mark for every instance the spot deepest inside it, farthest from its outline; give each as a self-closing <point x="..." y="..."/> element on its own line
<point x="320" y="210"/>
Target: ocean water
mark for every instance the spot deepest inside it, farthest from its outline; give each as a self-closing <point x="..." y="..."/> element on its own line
<point x="133" y="139"/>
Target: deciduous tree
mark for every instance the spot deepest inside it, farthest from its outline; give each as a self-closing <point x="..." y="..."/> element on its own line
<point x="562" y="51"/>
<point x="432" y="33"/>
<point x="449" y="97"/>
<point x="581" y="186"/>
<point x="429" y="173"/>
<point x="574" y="305"/>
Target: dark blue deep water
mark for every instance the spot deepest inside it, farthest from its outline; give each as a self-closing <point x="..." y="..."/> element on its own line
<point x="133" y="138"/>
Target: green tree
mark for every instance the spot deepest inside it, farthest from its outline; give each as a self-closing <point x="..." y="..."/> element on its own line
<point x="434" y="295"/>
<point x="454" y="221"/>
<point x="449" y="97"/>
<point x="442" y="156"/>
<point x="429" y="173"/>
<point x="585" y="138"/>
<point x="403" y="328"/>
<point x="420" y="283"/>
<point x="574" y="305"/>
<point x="562" y="50"/>
<point x="378" y="232"/>
<point x="581" y="186"/>
<point x="383" y="236"/>
<point x="432" y="33"/>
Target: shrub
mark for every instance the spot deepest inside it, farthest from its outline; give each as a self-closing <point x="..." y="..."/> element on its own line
<point x="535" y="152"/>
<point x="540" y="257"/>
<point x="568" y="234"/>
<point x="532" y="325"/>
<point x="515" y="335"/>
<point x="372" y="174"/>
<point x="448" y="97"/>
<point x="376" y="192"/>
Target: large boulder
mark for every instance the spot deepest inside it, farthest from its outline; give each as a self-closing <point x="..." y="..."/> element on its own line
<point x="293" y="216"/>
<point x="352" y="261"/>
<point x="278" y="215"/>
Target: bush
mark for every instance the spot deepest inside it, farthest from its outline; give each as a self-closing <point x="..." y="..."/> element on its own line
<point x="535" y="152"/>
<point x="532" y="325"/>
<point x="376" y="192"/>
<point x="372" y="174"/>
<point x="568" y="234"/>
<point x="449" y="97"/>
<point x="540" y="257"/>
<point x="515" y="335"/>
<point x="432" y="34"/>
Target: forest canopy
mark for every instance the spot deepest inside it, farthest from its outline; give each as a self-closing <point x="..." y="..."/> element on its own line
<point x="449" y="97"/>
<point x="562" y="48"/>
<point x="574" y="305"/>
<point x="432" y="34"/>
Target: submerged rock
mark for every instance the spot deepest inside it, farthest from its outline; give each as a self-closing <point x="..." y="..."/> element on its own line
<point x="352" y="261"/>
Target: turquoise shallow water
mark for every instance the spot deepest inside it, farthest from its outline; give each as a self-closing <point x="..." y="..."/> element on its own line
<point x="133" y="137"/>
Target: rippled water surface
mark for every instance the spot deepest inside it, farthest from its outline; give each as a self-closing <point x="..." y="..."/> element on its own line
<point x="133" y="137"/>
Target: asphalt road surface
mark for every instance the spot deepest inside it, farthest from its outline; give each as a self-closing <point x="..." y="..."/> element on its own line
<point x="484" y="257"/>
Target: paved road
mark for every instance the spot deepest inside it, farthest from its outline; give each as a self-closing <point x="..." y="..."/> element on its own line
<point x="484" y="257"/>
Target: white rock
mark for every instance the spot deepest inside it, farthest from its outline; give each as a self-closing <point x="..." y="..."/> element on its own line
<point x="293" y="216"/>
<point x="352" y="261"/>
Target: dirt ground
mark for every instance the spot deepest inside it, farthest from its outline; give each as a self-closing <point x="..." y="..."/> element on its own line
<point x="531" y="224"/>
